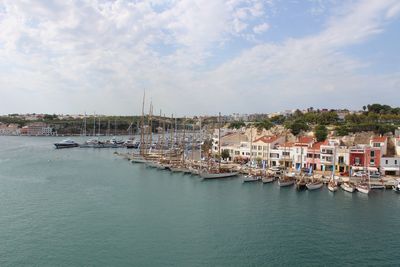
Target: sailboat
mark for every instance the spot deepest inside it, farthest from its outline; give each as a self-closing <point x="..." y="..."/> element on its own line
<point x="347" y="186"/>
<point x="332" y="185"/>
<point x="364" y="186"/>
<point x="396" y="186"/>
<point x="287" y="178"/>
<point x="218" y="173"/>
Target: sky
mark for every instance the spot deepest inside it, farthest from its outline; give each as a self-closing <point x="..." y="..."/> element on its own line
<point x="197" y="56"/>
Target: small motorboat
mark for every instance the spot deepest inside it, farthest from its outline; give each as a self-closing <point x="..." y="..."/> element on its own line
<point x="67" y="143"/>
<point x="251" y="178"/>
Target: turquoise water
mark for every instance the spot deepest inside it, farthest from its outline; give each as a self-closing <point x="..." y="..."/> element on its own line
<point x="86" y="207"/>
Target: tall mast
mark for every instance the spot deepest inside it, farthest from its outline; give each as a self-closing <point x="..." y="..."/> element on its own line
<point x="94" y="124"/>
<point x="142" y="127"/>
<point x="99" y="125"/>
<point x="108" y="128"/>
<point x="84" y="125"/>
<point x="219" y="140"/>
<point x="115" y="126"/>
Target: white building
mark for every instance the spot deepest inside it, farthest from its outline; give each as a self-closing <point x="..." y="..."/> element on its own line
<point x="390" y="165"/>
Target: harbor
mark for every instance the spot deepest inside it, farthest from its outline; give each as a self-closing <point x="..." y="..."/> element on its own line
<point x="95" y="205"/>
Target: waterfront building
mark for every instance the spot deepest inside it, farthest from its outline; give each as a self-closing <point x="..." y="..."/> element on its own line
<point x="342" y="159"/>
<point x="364" y="157"/>
<point x="397" y="145"/>
<point x="379" y="142"/>
<point x="313" y="157"/>
<point x="299" y="151"/>
<point x="10" y="129"/>
<point x="38" y="128"/>
<point x="286" y="158"/>
<point x="263" y="145"/>
<point x="390" y="165"/>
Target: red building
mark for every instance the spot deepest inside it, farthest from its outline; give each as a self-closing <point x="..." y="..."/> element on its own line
<point x="365" y="157"/>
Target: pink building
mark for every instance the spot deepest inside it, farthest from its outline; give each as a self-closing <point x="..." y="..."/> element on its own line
<point x="314" y="156"/>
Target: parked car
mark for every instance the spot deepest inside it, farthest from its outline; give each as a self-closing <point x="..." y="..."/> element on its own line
<point x="360" y="174"/>
<point x="375" y="175"/>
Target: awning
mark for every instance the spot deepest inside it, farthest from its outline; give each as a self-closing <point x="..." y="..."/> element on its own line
<point x="394" y="169"/>
<point x="373" y="169"/>
<point x="357" y="168"/>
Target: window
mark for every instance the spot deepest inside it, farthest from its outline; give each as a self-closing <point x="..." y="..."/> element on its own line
<point x="259" y="147"/>
<point x="341" y="159"/>
<point x="284" y="153"/>
<point x="372" y="162"/>
<point x="395" y="162"/>
<point x="377" y="144"/>
<point x="357" y="161"/>
<point x="372" y="154"/>
<point x="386" y="162"/>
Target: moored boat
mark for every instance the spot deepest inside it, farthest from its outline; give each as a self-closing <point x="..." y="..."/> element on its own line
<point x="332" y="186"/>
<point x="67" y="143"/>
<point x="313" y="185"/>
<point x="268" y="179"/>
<point x="396" y="186"/>
<point x="251" y="178"/>
<point x="217" y="175"/>
<point x="347" y="187"/>
<point x="363" y="188"/>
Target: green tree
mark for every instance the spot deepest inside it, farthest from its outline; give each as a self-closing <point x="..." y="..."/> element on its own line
<point x="321" y="132"/>
<point x="236" y="125"/>
<point x="297" y="126"/>
<point x="225" y="154"/>
<point x="264" y="124"/>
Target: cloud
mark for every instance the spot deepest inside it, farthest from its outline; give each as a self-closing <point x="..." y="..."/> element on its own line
<point x="75" y="56"/>
<point x="261" y="28"/>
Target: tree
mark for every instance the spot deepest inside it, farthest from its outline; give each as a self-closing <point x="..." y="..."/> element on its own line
<point x="264" y="124"/>
<point x="364" y="108"/>
<point x="321" y="132"/>
<point x="236" y="125"/>
<point x="225" y="154"/>
<point x="297" y="126"/>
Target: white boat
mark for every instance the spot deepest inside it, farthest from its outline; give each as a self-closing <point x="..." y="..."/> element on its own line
<point x="209" y="175"/>
<point x="251" y="178"/>
<point x="314" y="185"/>
<point x="347" y="187"/>
<point x="377" y="186"/>
<point x="285" y="182"/>
<point x="268" y="179"/>
<point x="332" y="186"/>
<point x="396" y="186"/>
<point x="363" y="188"/>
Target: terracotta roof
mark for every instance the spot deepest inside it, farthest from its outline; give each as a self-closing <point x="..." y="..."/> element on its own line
<point x="267" y="139"/>
<point x="305" y="140"/>
<point x="287" y="144"/>
<point x="379" y="139"/>
<point x="318" y="145"/>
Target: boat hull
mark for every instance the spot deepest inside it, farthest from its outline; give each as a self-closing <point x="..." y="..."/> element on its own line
<point x="266" y="180"/>
<point x="332" y="188"/>
<point x="285" y="183"/>
<point x="363" y="190"/>
<point x="314" y="186"/>
<point x="60" y="146"/>
<point x="250" y="179"/>
<point x="206" y="175"/>
<point x="347" y="188"/>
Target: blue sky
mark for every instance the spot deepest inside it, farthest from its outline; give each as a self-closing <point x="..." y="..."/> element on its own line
<point x="197" y="56"/>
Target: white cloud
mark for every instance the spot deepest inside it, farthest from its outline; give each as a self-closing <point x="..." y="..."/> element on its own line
<point x="99" y="55"/>
<point x="261" y="28"/>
